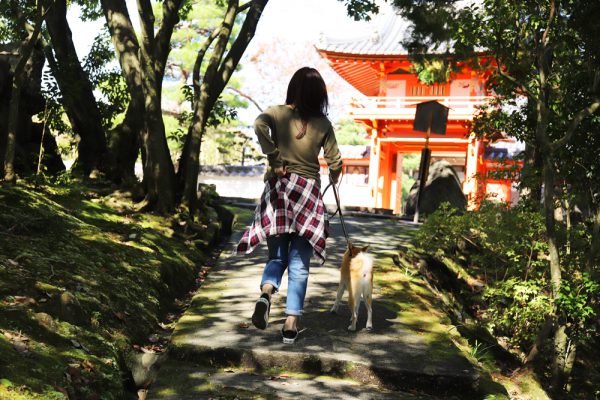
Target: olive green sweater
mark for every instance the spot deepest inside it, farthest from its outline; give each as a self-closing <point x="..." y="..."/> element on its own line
<point x="277" y="129"/>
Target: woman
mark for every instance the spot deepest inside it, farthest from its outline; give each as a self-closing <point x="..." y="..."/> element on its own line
<point x="291" y="215"/>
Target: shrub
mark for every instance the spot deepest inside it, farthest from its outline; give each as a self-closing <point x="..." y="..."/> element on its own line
<point x="506" y="249"/>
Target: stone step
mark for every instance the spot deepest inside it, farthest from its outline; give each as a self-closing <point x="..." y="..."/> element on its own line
<point x="389" y="356"/>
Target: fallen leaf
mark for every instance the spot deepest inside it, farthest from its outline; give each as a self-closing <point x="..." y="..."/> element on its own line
<point x="147" y="350"/>
<point x="88" y="366"/>
<point x="120" y="316"/>
<point x="21" y="347"/>
<point x="12" y="262"/>
<point x="157" y="348"/>
<point x="7" y="334"/>
<point x="24" y="300"/>
<point x="62" y="390"/>
<point x="166" y="327"/>
<point x="73" y="373"/>
<point x="18" y="340"/>
<point x="244" y="325"/>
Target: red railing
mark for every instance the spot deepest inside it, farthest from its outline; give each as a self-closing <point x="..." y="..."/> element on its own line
<point x="461" y="108"/>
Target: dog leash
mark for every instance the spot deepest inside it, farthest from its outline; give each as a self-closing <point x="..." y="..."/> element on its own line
<point x="339" y="208"/>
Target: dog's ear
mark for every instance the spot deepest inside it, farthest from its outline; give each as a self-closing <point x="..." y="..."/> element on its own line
<point x="364" y="249"/>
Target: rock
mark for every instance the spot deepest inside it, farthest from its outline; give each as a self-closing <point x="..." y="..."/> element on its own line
<point x="70" y="309"/>
<point x="422" y="267"/>
<point x="442" y="186"/>
<point x="227" y="219"/>
<point x="46" y="321"/>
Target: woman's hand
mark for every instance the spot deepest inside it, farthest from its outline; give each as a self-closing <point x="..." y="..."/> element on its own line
<point x="280" y="171"/>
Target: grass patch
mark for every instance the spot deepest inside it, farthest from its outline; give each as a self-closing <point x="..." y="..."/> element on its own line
<point x="82" y="279"/>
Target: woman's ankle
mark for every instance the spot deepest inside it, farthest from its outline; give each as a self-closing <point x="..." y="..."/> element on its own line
<point x="267" y="289"/>
<point x="291" y="323"/>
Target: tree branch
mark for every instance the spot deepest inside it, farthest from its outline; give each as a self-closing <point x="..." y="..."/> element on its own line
<point x="34" y="34"/>
<point x="224" y="33"/>
<point x="126" y="45"/>
<point x="583" y="113"/>
<point x="147" y="24"/>
<point x="200" y="57"/>
<point x="237" y="49"/>
<point x="546" y="34"/>
<point x="163" y="37"/>
<point x="518" y="85"/>
<point x="243" y="8"/>
<point x="246" y="96"/>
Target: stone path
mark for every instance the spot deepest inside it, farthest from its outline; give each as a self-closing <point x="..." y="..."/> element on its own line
<point x="216" y="351"/>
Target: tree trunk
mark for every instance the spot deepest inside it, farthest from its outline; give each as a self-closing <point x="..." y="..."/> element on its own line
<point x="560" y="337"/>
<point x="159" y="173"/>
<point x="559" y="360"/>
<point x="13" y="116"/>
<point x="125" y="140"/>
<point x="13" y="122"/>
<point x="569" y="363"/>
<point x="78" y="97"/>
<point x="189" y="166"/>
<point x="531" y="184"/>
<point x="542" y="336"/>
<point x="594" y="252"/>
<point x="555" y="273"/>
<point x="124" y="144"/>
<point x="219" y="71"/>
<point x="143" y="66"/>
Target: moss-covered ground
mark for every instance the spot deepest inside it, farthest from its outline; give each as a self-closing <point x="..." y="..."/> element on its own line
<point x="84" y="279"/>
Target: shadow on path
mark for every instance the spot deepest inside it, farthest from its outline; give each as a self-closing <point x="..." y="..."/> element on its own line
<point x="408" y="349"/>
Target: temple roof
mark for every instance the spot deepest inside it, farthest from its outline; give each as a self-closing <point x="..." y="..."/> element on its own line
<point x="359" y="59"/>
<point x="385" y="36"/>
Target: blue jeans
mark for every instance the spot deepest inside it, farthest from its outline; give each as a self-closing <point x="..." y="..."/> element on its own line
<point x="292" y="252"/>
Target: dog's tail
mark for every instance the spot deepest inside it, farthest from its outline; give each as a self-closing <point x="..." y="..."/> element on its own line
<point x="363" y="263"/>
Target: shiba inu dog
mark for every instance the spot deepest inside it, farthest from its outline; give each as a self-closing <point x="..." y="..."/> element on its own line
<point x="356" y="274"/>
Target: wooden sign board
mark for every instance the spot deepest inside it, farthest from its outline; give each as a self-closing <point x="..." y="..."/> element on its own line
<point x="434" y="113"/>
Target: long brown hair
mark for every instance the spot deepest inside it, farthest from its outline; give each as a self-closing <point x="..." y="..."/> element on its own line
<point x="308" y="94"/>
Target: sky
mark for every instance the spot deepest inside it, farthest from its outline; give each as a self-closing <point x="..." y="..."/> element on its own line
<point x="289" y="19"/>
<point x="306" y="19"/>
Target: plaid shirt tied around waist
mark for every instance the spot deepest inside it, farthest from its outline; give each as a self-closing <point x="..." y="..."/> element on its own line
<point x="290" y="204"/>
